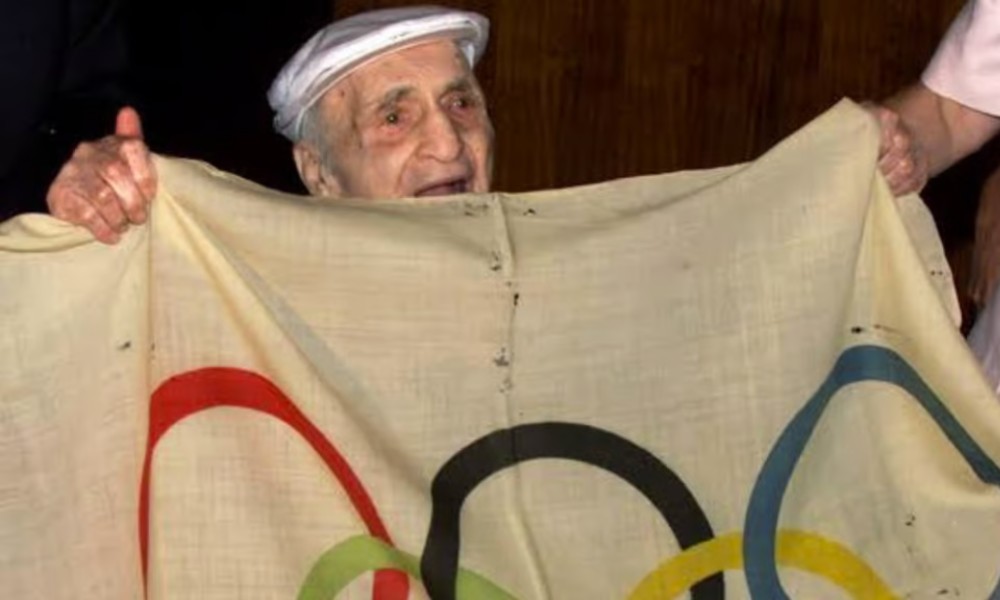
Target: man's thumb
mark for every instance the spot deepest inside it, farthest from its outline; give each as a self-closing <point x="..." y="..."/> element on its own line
<point x="128" y="123"/>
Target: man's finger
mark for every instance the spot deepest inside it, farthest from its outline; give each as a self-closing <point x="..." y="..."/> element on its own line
<point x="903" y="180"/>
<point x="91" y="218"/>
<point x="876" y="112"/>
<point x="140" y="163"/>
<point x="903" y="166"/>
<point x="901" y="142"/>
<point x="128" y="124"/>
<point x="895" y="182"/>
<point x="128" y="203"/>
<point x="887" y="125"/>
<point x="888" y="162"/>
<point x="109" y="206"/>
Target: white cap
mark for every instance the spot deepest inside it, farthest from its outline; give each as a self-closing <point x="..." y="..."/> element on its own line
<point x="344" y="45"/>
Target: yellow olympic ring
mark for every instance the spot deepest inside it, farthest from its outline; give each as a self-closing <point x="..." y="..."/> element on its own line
<point x="797" y="549"/>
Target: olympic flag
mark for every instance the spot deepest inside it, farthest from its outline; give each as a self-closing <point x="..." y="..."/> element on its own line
<point x="737" y="383"/>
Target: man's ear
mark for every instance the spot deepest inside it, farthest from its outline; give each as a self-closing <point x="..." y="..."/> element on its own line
<point x="313" y="173"/>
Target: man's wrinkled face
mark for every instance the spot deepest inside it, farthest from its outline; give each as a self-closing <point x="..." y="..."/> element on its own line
<point x="410" y="123"/>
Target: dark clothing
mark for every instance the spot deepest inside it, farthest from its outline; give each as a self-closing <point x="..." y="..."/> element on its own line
<point x="61" y="64"/>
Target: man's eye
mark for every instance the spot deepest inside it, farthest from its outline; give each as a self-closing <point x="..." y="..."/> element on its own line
<point x="462" y="102"/>
<point x="392" y="118"/>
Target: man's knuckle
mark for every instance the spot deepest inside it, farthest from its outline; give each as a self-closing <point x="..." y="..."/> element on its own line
<point x="113" y="170"/>
<point x="109" y="141"/>
<point x="87" y="148"/>
<point x="116" y="219"/>
<point x="58" y="208"/>
<point x="70" y="170"/>
<point x="147" y="183"/>
<point x="86" y="213"/>
<point x="133" y="145"/>
<point x="106" y="198"/>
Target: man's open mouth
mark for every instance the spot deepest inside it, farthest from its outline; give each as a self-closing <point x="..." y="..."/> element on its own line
<point x="445" y="188"/>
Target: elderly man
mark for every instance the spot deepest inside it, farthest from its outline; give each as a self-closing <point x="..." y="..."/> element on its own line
<point x="383" y="104"/>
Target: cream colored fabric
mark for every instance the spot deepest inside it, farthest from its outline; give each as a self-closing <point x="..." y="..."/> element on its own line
<point x="602" y="386"/>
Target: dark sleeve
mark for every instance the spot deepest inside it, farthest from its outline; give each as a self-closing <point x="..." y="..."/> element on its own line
<point x="62" y="62"/>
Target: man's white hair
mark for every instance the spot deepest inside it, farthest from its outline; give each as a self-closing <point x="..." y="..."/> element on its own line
<point x="315" y="132"/>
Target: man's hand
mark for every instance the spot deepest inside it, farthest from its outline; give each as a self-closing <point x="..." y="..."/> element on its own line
<point x="900" y="158"/>
<point x="108" y="184"/>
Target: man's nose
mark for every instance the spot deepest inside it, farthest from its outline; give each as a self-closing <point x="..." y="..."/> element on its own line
<point x="442" y="139"/>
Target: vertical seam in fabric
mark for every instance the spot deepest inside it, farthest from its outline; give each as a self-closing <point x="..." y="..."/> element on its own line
<point x="505" y="266"/>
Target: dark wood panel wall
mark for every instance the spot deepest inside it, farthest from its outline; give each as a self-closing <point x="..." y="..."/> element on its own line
<point x="587" y="90"/>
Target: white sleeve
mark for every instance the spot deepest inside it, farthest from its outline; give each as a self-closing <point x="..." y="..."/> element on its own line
<point x="966" y="66"/>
